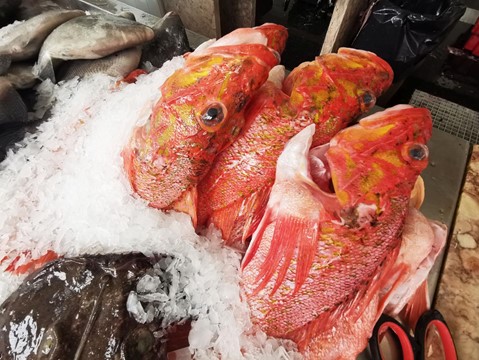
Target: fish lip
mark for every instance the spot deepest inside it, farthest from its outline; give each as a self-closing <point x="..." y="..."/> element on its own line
<point x="321" y="172"/>
<point x="326" y="193"/>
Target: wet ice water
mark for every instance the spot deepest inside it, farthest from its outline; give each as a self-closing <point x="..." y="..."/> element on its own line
<point x="65" y="190"/>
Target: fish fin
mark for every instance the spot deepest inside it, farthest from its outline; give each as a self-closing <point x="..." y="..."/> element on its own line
<point x="31" y="264"/>
<point x="290" y="233"/>
<point x="416" y="306"/>
<point x="255" y="207"/>
<point x="131" y="77"/>
<point x="44" y="68"/>
<point x="187" y="204"/>
<point x="353" y="308"/>
<point x="238" y="220"/>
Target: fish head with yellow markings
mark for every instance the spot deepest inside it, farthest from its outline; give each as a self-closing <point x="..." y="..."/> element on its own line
<point x="377" y="162"/>
<point x="199" y="113"/>
<point x="334" y="89"/>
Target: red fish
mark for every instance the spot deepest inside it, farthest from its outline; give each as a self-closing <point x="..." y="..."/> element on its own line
<point x="198" y="115"/>
<point x="329" y="92"/>
<point x="317" y="252"/>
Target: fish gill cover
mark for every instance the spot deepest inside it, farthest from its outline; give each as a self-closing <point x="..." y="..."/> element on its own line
<point x="65" y="190"/>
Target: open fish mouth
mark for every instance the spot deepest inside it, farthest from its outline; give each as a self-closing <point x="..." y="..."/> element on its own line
<point x="326" y="163"/>
<point x="356" y="216"/>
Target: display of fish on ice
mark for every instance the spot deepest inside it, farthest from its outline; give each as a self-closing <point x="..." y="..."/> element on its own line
<point x="199" y="113"/>
<point x="330" y="92"/>
<point x="330" y="248"/>
<point x="326" y="259"/>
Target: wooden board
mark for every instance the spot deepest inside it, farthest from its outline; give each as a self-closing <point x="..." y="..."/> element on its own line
<point x="236" y="14"/>
<point x="201" y="17"/>
<point x="345" y="23"/>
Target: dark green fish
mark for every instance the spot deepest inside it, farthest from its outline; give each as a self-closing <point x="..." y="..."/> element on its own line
<point x="76" y="309"/>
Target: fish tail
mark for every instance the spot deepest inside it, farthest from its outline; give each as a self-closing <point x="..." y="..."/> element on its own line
<point x="238" y="220"/>
<point x="416" y="306"/>
<point x="187" y="204"/>
<point x="44" y="68"/>
<point x="23" y="264"/>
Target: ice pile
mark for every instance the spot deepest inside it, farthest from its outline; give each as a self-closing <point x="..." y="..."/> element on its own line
<point x="65" y="190"/>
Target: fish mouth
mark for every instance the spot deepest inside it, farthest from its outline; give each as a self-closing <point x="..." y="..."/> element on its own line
<point x="357" y="216"/>
<point x="320" y="173"/>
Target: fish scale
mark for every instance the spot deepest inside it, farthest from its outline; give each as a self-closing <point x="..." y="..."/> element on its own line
<point x="282" y="313"/>
<point x="298" y="296"/>
<point x="198" y="115"/>
<point x="330" y="91"/>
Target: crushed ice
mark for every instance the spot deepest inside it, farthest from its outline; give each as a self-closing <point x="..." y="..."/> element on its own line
<point x="64" y="190"/>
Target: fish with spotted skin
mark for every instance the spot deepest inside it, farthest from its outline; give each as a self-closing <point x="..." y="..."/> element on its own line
<point x="318" y="253"/>
<point x="330" y="92"/>
<point x="199" y="113"/>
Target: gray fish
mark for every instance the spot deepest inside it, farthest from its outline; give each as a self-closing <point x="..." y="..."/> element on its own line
<point x="23" y="40"/>
<point x="31" y="8"/>
<point x="127" y="15"/>
<point x="118" y="64"/>
<point x="79" y="304"/>
<point x="21" y="76"/>
<point x="12" y="107"/>
<point x="170" y="41"/>
<point x="89" y="37"/>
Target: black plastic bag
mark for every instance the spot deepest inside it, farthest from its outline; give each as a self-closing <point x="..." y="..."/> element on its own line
<point x="403" y="32"/>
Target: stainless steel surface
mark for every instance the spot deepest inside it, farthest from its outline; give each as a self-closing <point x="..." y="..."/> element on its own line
<point x="114" y="7"/>
<point x="443" y="179"/>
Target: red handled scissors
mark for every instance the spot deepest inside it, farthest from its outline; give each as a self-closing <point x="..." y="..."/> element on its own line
<point x="413" y="347"/>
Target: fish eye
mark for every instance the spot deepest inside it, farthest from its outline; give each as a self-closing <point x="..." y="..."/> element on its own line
<point x="415" y="152"/>
<point x="140" y="341"/>
<point x="367" y="100"/>
<point x="213" y="115"/>
<point x="418" y="152"/>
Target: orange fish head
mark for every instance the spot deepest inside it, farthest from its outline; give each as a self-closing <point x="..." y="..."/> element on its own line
<point x="335" y="89"/>
<point x="210" y="92"/>
<point x="380" y="158"/>
<point x="213" y="89"/>
<point x="199" y="113"/>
